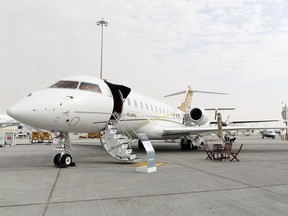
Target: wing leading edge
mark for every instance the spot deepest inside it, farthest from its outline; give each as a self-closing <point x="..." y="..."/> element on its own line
<point x="188" y="130"/>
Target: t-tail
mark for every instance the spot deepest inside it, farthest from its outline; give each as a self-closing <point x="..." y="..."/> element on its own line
<point x="186" y="104"/>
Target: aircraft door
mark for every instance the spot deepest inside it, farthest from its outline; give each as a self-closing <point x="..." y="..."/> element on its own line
<point x="118" y="102"/>
<point x="120" y="93"/>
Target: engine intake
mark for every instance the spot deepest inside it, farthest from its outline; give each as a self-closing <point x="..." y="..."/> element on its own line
<point x="196" y="116"/>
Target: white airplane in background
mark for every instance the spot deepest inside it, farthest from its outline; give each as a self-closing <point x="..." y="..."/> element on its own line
<point x="7" y="121"/>
<point x="88" y="104"/>
<point x="270" y="133"/>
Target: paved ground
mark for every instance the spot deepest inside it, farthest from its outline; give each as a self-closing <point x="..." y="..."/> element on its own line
<point x="186" y="185"/>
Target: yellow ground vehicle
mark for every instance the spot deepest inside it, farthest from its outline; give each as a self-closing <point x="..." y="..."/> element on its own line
<point x="40" y="137"/>
<point x="93" y="135"/>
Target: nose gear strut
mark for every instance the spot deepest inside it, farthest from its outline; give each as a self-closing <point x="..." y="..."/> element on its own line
<point x="63" y="159"/>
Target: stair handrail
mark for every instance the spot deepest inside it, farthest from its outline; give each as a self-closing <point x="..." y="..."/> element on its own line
<point x="122" y="127"/>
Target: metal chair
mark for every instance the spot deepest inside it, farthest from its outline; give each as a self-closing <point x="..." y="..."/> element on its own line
<point x="208" y="151"/>
<point x="234" y="154"/>
<point x="227" y="150"/>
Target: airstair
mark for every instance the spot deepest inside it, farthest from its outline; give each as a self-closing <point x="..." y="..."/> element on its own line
<point x="116" y="144"/>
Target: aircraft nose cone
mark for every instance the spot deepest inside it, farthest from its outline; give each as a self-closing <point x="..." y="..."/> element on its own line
<point x="15" y="112"/>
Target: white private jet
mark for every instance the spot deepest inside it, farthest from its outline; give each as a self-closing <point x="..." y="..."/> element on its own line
<point x="88" y="104"/>
<point x="7" y="121"/>
<point x="269" y="133"/>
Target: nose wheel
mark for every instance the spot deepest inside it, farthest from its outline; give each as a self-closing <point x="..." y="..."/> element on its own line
<point x="63" y="161"/>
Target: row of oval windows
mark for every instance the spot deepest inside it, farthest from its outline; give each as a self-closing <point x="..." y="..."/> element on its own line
<point x="153" y="108"/>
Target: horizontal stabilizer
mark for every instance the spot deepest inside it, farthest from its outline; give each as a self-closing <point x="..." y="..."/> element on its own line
<point x="213" y="109"/>
<point x="194" y="91"/>
<point x="186" y="104"/>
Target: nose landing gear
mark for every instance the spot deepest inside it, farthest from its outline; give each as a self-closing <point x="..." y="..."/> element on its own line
<point x="63" y="159"/>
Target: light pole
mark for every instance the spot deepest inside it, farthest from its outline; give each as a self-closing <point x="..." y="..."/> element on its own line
<point x="284" y="116"/>
<point x="101" y="23"/>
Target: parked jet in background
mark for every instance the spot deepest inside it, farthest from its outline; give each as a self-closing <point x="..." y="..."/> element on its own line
<point x="88" y="104"/>
<point x="270" y="133"/>
<point x="6" y="121"/>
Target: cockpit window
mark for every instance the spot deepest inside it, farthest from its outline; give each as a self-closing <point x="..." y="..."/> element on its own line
<point x="89" y="87"/>
<point x="66" y="84"/>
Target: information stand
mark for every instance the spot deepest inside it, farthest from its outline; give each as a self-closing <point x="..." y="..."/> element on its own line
<point x="9" y="139"/>
<point x="150" y="165"/>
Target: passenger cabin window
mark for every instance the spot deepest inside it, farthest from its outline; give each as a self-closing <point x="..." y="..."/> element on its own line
<point x="66" y="84"/>
<point x="89" y="87"/>
<point x="128" y="100"/>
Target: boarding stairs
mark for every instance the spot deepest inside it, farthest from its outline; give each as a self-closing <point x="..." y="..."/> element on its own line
<point x="116" y="144"/>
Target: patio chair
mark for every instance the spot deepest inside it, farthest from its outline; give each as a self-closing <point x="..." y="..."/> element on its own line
<point x="227" y="150"/>
<point x="208" y="151"/>
<point x="234" y="154"/>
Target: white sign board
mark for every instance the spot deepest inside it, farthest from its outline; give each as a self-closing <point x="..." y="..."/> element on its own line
<point x="150" y="154"/>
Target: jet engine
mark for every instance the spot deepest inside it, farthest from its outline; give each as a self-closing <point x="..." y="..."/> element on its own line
<point x="196" y="116"/>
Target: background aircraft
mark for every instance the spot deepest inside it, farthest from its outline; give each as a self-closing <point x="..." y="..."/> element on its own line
<point x="89" y="104"/>
<point x="6" y="121"/>
<point x="268" y="133"/>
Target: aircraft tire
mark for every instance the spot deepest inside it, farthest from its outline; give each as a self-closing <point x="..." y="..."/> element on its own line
<point x="66" y="160"/>
<point x="140" y="144"/>
<point x="189" y="145"/>
<point x="186" y="146"/>
<point x="57" y="160"/>
<point x="182" y="145"/>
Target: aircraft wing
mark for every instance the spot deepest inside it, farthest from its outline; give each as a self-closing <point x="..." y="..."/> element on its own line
<point x="3" y="125"/>
<point x="189" y="130"/>
<point x="247" y="121"/>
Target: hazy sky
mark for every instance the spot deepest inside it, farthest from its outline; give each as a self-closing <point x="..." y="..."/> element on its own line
<point x="156" y="47"/>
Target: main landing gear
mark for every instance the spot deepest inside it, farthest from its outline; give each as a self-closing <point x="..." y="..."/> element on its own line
<point x="63" y="159"/>
<point x="140" y="144"/>
<point x="187" y="144"/>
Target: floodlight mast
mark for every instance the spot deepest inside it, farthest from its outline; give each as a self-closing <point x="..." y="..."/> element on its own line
<point x="284" y="116"/>
<point x="101" y="23"/>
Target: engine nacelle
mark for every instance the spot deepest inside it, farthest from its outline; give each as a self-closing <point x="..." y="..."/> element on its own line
<point x="196" y="116"/>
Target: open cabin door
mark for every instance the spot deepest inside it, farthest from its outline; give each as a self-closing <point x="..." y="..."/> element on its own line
<point x="119" y="93"/>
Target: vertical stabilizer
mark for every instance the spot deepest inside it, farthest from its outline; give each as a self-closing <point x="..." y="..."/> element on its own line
<point x="186" y="104"/>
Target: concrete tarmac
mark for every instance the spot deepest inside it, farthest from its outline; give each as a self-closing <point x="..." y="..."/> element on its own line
<point x="186" y="185"/>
